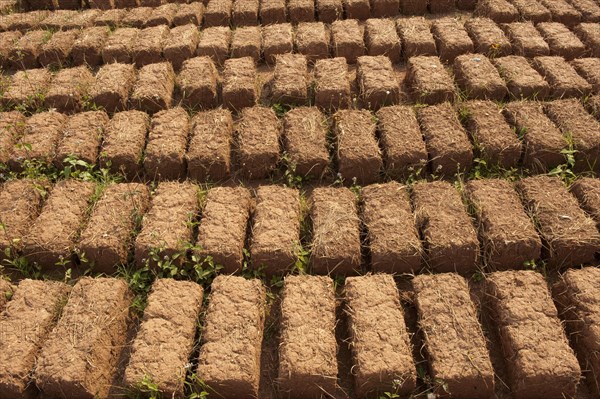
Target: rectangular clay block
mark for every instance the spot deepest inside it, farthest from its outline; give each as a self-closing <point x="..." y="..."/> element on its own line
<point x="404" y="151"/>
<point x="162" y="15"/>
<point x="569" y="236"/>
<point x="541" y="363"/>
<point x="69" y="89"/>
<point x="532" y="11"/>
<point x="257" y="142"/>
<point x="377" y="81"/>
<point x="167" y="332"/>
<point x="7" y="41"/>
<point x="447" y="142"/>
<point x="522" y="81"/>
<point x="312" y="39"/>
<point x="27" y="89"/>
<point x="81" y="138"/>
<point x="191" y="13"/>
<point x="332" y="83"/>
<point x="385" y="8"/>
<point x="453" y="338"/>
<point x="305" y="141"/>
<point x="239" y="84"/>
<point x="87" y="49"/>
<point x="376" y="326"/>
<point x="229" y="364"/>
<point x="277" y="39"/>
<point x="347" y="39"/>
<point x="587" y="191"/>
<point x="290" y="80"/>
<point x="358" y="154"/>
<point x="392" y="237"/>
<point x="562" y="11"/>
<point x="26" y="322"/>
<point x="589" y="68"/>
<point x="478" y="78"/>
<point x="307" y="361"/>
<point x="450" y="240"/>
<point x="56" y="52"/>
<point x="451" y="38"/>
<point x="209" y="151"/>
<point x="246" y="42"/>
<point x="153" y="90"/>
<point x="218" y="13"/>
<point x="181" y="44"/>
<point x="197" y="83"/>
<point x="589" y="10"/>
<point x="214" y="42"/>
<point x="357" y="9"/>
<point x="561" y="40"/>
<point x="382" y="38"/>
<point x="113" y="84"/>
<point x="124" y="142"/>
<point x="99" y="307"/>
<point x="222" y="231"/>
<point x="329" y="10"/>
<point x="500" y="11"/>
<point x="416" y="37"/>
<point x="164" y="158"/>
<point x="119" y="46"/>
<point x="413" y="7"/>
<point x="245" y="12"/>
<point x="167" y="227"/>
<point x="589" y="33"/>
<point x="147" y="48"/>
<point x="12" y="124"/>
<point x="301" y="11"/>
<point x="273" y="12"/>
<point x="28" y="47"/>
<point x="275" y="241"/>
<point x="336" y="234"/>
<point x="488" y="38"/>
<point x="526" y="40"/>
<point x="137" y="17"/>
<point x="507" y="234"/>
<point x="107" y="240"/>
<point x="428" y="81"/>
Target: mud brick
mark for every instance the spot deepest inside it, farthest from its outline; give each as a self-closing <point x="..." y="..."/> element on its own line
<point x="34" y="307"/>
<point x="53" y="234"/>
<point x="246" y="42"/>
<point x="478" y="78"/>
<point x="127" y="3"/>
<point x="542" y="140"/>
<point x="357" y="9"/>
<point x="7" y="41"/>
<point x="277" y="39"/>
<point x="162" y="15"/>
<point x="589" y="68"/>
<point x="447" y="142"/>
<point x="181" y="45"/>
<point x="27" y="89"/>
<point x="532" y="11"/>
<point x="347" y="39"/>
<point x="137" y="17"/>
<point x="562" y="11"/>
<point x="107" y="240"/>
<point x="392" y="237"/>
<point x="562" y="77"/>
<point x="377" y="329"/>
<point x="245" y="12"/>
<point x="102" y="4"/>
<point x="526" y="40"/>
<point x="488" y="38"/>
<point x="100" y="307"/>
<point x="451" y="38"/>
<point x="240" y="87"/>
<point x="273" y="12"/>
<point x="569" y="236"/>
<point x="382" y="39"/>
<point x="308" y="304"/>
<point x="234" y="304"/>
<point x="25" y="52"/>
<point x="329" y="10"/>
<point x="113" y="84"/>
<point x="167" y="226"/>
<point x="385" y="8"/>
<point x="56" y="52"/>
<point x="191" y="13"/>
<point x="290" y="80"/>
<point x="69" y="89"/>
<point x="214" y="42"/>
<point x="416" y="37"/>
<point x="496" y="142"/>
<point x="332" y="88"/>
<point x="258" y="134"/>
<point x="336" y="232"/>
<point x="507" y="234"/>
<point x="428" y="80"/>
<point x="111" y="18"/>
<point x="153" y="90"/>
<point x="561" y="40"/>
<point x="581" y="128"/>
<point x="218" y="13"/>
<point x="275" y="240"/>
<point x="81" y="20"/>
<point x="413" y="7"/>
<point x="466" y="5"/>
<point x="164" y="317"/>
<point x="589" y="10"/>
<point x="312" y="40"/>
<point x="147" y="49"/>
<point x="301" y="11"/>
<point x="377" y="81"/>
<point x="501" y="11"/>
<point x="12" y="124"/>
<point x="454" y="340"/>
<point x="450" y="240"/>
<point x="81" y="138"/>
<point x="593" y="105"/>
<point x="57" y="19"/>
<point x="589" y="33"/>
<point x="197" y="83"/>
<point x="119" y="46"/>
<point x="87" y="49"/>
<point x="305" y="141"/>
<point x="587" y="191"/>
<point x="164" y="157"/>
<point x="441" y="6"/>
<point x="150" y="3"/>
<point x="521" y="79"/>
<point x="208" y="155"/>
<point x="123" y="145"/>
<point x="222" y="231"/>
<point x="24" y="21"/>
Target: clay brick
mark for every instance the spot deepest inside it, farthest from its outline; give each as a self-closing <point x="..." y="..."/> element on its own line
<point x="347" y="39"/>
<point x="257" y="142"/>
<point x="107" y="240"/>
<point x="239" y="86"/>
<point x="587" y="191"/>
<point x="312" y="40"/>
<point x="218" y="13"/>
<point x="377" y="329"/>
<point x="382" y="39"/>
<point x="522" y="81"/>
<point x="111" y="18"/>
<point x="275" y="241"/>
<point x="28" y="47"/>
<point x="12" y="124"/>
<point x="113" y="84"/>
<point x="164" y="317"/>
<point x="147" y="48"/>
<point x="532" y="11"/>
<point x="137" y="17"/>
<point x="589" y="33"/>
<point x="561" y="40"/>
<point x="527" y="318"/>
<point x="119" y="46"/>
<point x="246" y="42"/>
<point x="589" y="10"/>
<point x="404" y="151"/>
<point x="416" y="37"/>
<point x="197" y="83"/>
<point x="450" y="240"/>
<point x="301" y="11"/>
<point x="69" y="89"/>
<point x="357" y="9"/>
<point x="27" y="89"/>
<point x="87" y="49"/>
<point x="277" y="39"/>
<point x="562" y="12"/>
<point x="336" y="233"/>
<point x="56" y="52"/>
<point x="500" y="11"/>
<point x="61" y="19"/>
<point x="273" y="12"/>
<point x="562" y="77"/>
<point x="428" y="80"/>
<point x="234" y="304"/>
<point x="23" y="21"/>
<point x="100" y="309"/>
<point x="245" y="12"/>
<point x="153" y="90"/>
<point x="214" y="42"/>
<point x="290" y="80"/>
<point x="487" y="37"/>
<point x="167" y="226"/>
<point x="123" y="144"/>
<point x="413" y="7"/>
<point x="478" y="78"/>
<point x="305" y="141"/>
<point x="526" y="40"/>
<point x="377" y="81"/>
<point x="7" y="41"/>
<point x="392" y="237"/>
<point x="358" y="154"/>
<point x="329" y="10"/>
<point x="162" y="15"/>
<point x="332" y="87"/>
<point x="441" y="6"/>
<point x="222" y="231"/>
<point x="568" y="235"/>
<point x="453" y="338"/>
<point x="384" y="8"/>
<point x="53" y="234"/>
<point x="507" y="234"/>
<point x="589" y="68"/>
<point x="307" y="362"/>
<point x="181" y="45"/>
<point x="102" y="4"/>
<point x="81" y="138"/>
<point x="191" y="13"/>
<point x="451" y="38"/>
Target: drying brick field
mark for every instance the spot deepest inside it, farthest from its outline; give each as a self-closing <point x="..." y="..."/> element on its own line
<point x="300" y="199"/>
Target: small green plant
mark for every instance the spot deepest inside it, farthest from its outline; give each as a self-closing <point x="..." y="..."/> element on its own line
<point x="14" y="261"/>
<point x="146" y="388"/>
